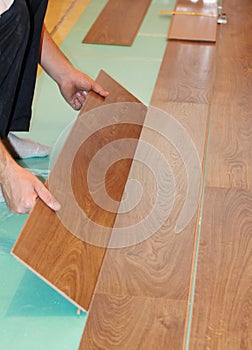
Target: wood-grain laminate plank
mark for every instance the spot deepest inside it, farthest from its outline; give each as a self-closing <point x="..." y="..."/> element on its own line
<point x="194" y="28"/>
<point x="47" y="244"/>
<point x="229" y="160"/>
<point x="185" y="74"/>
<point x="118" y="23"/>
<point x="223" y="294"/>
<point x="149" y="267"/>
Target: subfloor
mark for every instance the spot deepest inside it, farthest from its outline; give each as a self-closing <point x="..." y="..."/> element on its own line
<point x="32" y="314"/>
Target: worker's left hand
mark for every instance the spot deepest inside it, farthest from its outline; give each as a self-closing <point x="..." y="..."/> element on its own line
<point x="76" y="87"/>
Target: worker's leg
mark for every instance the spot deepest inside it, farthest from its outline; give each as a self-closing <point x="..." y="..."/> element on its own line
<point x="22" y="109"/>
<point x="14" y="31"/>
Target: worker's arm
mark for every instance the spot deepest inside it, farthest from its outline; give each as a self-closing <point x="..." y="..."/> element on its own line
<point x="74" y="85"/>
<point x="20" y="187"/>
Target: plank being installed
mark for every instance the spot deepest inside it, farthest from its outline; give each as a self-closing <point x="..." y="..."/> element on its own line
<point x="194" y="27"/>
<point x="59" y="247"/>
<point x="118" y="23"/>
<point x="142" y="293"/>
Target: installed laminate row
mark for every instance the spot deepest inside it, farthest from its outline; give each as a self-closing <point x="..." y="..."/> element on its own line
<point x="223" y="294"/>
<point x="222" y="310"/>
<point x="118" y="23"/>
<point x="141" y="296"/>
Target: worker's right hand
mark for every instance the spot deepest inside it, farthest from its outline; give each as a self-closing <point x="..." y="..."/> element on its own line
<point x="21" y="189"/>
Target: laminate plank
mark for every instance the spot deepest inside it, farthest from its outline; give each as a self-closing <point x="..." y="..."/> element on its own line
<point x="185" y="74"/>
<point x="112" y="324"/>
<point x="223" y="293"/>
<point x="199" y="7"/>
<point x="149" y="267"/>
<point x="57" y="247"/>
<point x="194" y="28"/>
<point x="118" y="23"/>
<point x="229" y="160"/>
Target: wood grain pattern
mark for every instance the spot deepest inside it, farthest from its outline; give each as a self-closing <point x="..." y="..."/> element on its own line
<point x="223" y="295"/>
<point x="230" y="147"/>
<point x="113" y="323"/>
<point x="149" y="267"/>
<point x="194" y="28"/>
<point x="185" y="74"/>
<point x="222" y="312"/>
<point x="45" y="245"/>
<point x="156" y="272"/>
<point x="118" y="23"/>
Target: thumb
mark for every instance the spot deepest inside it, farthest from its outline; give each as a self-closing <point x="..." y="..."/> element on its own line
<point x="46" y="196"/>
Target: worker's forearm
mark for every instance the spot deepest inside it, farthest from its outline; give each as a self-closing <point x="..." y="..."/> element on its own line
<point x="5" y="161"/>
<point x="52" y="59"/>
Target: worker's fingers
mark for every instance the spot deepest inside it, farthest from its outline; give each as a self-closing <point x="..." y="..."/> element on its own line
<point x="99" y="89"/>
<point x="46" y="196"/>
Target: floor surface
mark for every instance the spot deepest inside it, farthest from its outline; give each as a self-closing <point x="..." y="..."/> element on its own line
<point x="32" y="314"/>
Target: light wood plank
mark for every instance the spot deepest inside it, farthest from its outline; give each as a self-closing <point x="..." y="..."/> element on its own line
<point x="194" y="28"/>
<point x="46" y="245"/>
<point x="118" y="23"/>
<point x="185" y="74"/>
<point x="223" y="295"/>
<point x="200" y="6"/>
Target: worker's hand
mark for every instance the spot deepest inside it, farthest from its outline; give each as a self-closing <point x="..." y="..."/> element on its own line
<point x="75" y="87"/>
<point x="21" y="189"/>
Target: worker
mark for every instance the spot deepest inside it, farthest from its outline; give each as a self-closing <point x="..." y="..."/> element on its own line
<point x="25" y="42"/>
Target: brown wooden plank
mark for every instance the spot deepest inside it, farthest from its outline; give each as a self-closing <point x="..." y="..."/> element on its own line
<point x="194" y="28"/>
<point x="229" y="161"/>
<point x="50" y="247"/>
<point x="152" y="268"/>
<point x="119" y="316"/>
<point x="157" y="271"/>
<point x="197" y="6"/>
<point x="184" y="75"/>
<point x="222" y="314"/>
<point x="118" y="23"/>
